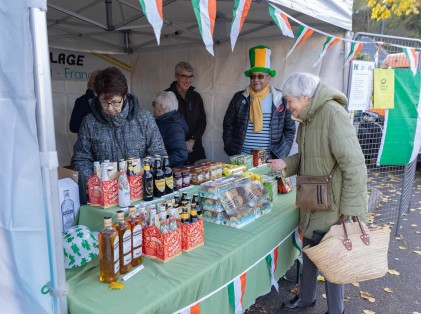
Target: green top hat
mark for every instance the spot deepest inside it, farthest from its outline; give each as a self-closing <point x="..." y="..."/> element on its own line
<point x="260" y="61"/>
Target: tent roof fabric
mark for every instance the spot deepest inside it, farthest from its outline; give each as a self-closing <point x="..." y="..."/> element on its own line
<point x="120" y="26"/>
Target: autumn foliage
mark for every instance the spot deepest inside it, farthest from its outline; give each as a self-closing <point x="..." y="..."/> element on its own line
<point x="383" y="9"/>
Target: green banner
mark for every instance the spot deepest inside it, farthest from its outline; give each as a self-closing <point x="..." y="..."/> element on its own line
<point x="402" y="130"/>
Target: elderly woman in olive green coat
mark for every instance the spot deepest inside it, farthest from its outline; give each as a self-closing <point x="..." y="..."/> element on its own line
<point x="325" y="137"/>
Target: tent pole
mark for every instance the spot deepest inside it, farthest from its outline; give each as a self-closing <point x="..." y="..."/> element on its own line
<point x="48" y="154"/>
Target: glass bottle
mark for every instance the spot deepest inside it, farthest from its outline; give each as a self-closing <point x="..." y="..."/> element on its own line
<point x="125" y="237"/>
<point x="109" y="264"/>
<point x="185" y="218"/>
<point x="123" y="185"/>
<point x="148" y="185"/>
<point x="143" y="215"/>
<point x="97" y="168"/>
<point x="193" y="214"/>
<point x="152" y="215"/>
<point x="183" y="196"/>
<point x="177" y="198"/>
<point x="67" y="211"/>
<point x="104" y="172"/>
<point x="173" y="220"/>
<point x="136" y="225"/>
<point x="199" y="211"/>
<point x="169" y="179"/>
<point x="159" y="179"/>
<point x="163" y="227"/>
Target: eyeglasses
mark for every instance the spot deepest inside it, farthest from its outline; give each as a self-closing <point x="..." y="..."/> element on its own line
<point x="114" y="103"/>
<point x="259" y="76"/>
<point x="186" y="77"/>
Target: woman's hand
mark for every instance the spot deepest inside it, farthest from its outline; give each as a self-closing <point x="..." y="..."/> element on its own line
<point x="277" y="164"/>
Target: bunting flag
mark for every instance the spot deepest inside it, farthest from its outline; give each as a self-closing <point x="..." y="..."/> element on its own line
<point x="236" y="292"/>
<point x="281" y="19"/>
<point x="153" y="11"/>
<point x="355" y="50"/>
<point x="330" y="41"/>
<point x="402" y="127"/>
<point x="303" y="34"/>
<point x="298" y="244"/>
<point x="239" y="13"/>
<point x="205" y="11"/>
<point x="272" y="260"/>
<point x="411" y="55"/>
<point x="194" y="309"/>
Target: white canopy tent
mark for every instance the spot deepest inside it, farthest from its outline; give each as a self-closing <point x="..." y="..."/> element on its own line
<point x="120" y="26"/>
<point x="30" y="228"/>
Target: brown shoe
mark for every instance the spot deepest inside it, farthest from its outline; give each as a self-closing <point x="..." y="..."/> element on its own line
<point x="297" y="304"/>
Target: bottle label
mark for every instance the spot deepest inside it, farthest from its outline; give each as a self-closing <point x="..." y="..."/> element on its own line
<point x="116" y="267"/>
<point x="137" y="252"/>
<point x="127" y="259"/>
<point x="127" y="241"/>
<point x="137" y="236"/>
<point x="160" y="185"/>
<point x="148" y="187"/>
<point x="116" y="249"/>
<point x="169" y="181"/>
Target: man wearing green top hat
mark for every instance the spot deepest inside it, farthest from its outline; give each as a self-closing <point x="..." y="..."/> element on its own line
<point x="257" y="117"/>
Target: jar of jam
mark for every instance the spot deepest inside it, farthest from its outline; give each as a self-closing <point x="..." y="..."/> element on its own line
<point x="186" y="175"/>
<point x="178" y="180"/>
<point x="196" y="176"/>
<point x="206" y="173"/>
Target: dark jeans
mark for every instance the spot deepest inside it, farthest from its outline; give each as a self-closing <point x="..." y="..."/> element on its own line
<point x="334" y="292"/>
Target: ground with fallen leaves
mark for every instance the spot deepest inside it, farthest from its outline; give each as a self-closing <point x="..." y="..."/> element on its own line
<point x="399" y="291"/>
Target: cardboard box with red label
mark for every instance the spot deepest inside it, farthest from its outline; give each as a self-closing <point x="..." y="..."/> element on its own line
<point x="192" y="236"/>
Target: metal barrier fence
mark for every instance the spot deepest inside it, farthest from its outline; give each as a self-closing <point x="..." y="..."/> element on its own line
<point x="390" y="187"/>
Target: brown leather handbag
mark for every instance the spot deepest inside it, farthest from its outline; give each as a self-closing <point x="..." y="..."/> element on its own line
<point x="313" y="192"/>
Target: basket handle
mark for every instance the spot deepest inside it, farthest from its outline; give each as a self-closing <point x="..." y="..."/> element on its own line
<point x="364" y="236"/>
<point x="347" y="241"/>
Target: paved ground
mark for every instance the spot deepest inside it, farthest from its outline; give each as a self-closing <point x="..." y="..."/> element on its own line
<point x="404" y="287"/>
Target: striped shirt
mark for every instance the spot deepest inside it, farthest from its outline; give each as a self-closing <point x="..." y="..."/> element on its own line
<point x="260" y="139"/>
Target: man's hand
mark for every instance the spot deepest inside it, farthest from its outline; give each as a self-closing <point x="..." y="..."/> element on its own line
<point x="277" y="164"/>
<point x="190" y="144"/>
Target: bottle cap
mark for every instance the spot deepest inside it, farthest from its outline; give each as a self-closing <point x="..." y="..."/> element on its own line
<point x="132" y="210"/>
<point x="120" y="214"/>
<point x="107" y="221"/>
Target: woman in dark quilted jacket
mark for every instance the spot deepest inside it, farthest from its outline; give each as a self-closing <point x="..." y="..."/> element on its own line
<point x="116" y="128"/>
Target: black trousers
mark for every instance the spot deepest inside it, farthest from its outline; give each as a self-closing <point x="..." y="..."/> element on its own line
<point x="334" y="292"/>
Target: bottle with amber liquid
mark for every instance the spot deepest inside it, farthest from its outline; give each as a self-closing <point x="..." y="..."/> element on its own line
<point x="125" y="237"/>
<point x="185" y="218"/>
<point x="109" y="252"/>
<point x="136" y="225"/>
<point x="169" y="180"/>
<point x="193" y="214"/>
<point x="159" y="178"/>
<point x="148" y="185"/>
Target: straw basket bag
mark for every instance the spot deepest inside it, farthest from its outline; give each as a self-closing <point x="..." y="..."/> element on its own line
<point x="350" y="252"/>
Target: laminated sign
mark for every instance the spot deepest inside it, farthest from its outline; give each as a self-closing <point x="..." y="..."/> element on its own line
<point x="384" y="89"/>
<point x="361" y="84"/>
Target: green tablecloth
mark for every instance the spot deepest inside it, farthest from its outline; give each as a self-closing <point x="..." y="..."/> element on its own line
<point x="166" y="288"/>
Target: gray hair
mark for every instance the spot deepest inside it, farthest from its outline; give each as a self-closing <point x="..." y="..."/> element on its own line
<point x="183" y="65"/>
<point x="301" y="84"/>
<point x="167" y="100"/>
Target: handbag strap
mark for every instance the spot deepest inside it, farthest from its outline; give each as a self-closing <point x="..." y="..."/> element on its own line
<point x="330" y="174"/>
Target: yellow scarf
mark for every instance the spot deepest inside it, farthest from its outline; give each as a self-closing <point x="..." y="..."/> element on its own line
<point x="256" y="115"/>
